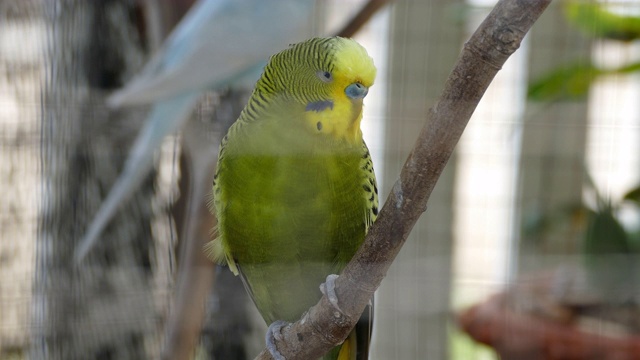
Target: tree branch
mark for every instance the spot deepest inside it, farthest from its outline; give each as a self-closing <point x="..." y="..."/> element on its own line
<point x="483" y="55"/>
<point x="362" y="17"/>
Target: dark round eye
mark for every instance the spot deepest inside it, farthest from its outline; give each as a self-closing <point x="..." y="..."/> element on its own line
<point x="325" y="76"/>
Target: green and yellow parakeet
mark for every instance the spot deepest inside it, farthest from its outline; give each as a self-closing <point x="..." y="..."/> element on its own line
<point x="294" y="190"/>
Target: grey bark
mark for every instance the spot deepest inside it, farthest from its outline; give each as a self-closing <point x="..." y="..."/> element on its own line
<point x="21" y="68"/>
<point x="103" y="308"/>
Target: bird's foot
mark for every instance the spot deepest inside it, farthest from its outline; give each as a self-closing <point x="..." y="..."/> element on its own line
<point x="328" y="288"/>
<point x="273" y="333"/>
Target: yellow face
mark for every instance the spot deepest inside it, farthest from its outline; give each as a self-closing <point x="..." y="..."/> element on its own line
<point x="329" y="78"/>
<point x="348" y="83"/>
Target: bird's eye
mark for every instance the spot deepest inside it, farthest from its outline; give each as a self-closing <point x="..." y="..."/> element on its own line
<point x="325" y="76"/>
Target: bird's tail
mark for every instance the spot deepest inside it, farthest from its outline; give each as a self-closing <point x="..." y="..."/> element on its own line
<point x="356" y="346"/>
<point x="349" y="347"/>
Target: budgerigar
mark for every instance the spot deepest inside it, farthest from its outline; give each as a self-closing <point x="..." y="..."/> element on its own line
<point x="294" y="190"/>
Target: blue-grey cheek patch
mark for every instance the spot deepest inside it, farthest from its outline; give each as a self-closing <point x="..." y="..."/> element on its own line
<point x="318" y="106"/>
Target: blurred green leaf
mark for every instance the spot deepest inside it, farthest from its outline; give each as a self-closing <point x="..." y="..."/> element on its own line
<point x="609" y="258"/>
<point x="633" y="195"/>
<point x="566" y="83"/>
<point x="572" y="82"/>
<point x="594" y="19"/>
<point x="626" y="69"/>
<point x="605" y="235"/>
<point x="538" y="224"/>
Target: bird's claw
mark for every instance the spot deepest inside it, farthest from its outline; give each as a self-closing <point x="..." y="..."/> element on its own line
<point x="273" y="333"/>
<point x="328" y="288"/>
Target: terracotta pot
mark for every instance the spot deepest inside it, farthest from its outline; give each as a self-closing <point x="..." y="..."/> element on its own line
<point x="523" y="336"/>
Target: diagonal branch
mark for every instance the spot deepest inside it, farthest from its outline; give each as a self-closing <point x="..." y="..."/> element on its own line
<point x="483" y="55"/>
<point x="362" y="17"/>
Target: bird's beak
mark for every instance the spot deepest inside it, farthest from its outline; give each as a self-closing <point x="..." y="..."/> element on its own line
<point x="356" y="91"/>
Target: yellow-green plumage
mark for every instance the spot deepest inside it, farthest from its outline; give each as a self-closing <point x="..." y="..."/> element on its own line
<point x="294" y="190"/>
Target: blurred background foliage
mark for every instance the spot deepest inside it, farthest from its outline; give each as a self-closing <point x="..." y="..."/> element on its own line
<point x="573" y="80"/>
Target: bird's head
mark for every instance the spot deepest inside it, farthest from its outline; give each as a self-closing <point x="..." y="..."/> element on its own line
<point x="328" y="78"/>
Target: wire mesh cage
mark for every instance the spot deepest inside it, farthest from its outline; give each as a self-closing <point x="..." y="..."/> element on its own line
<point x="550" y="154"/>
